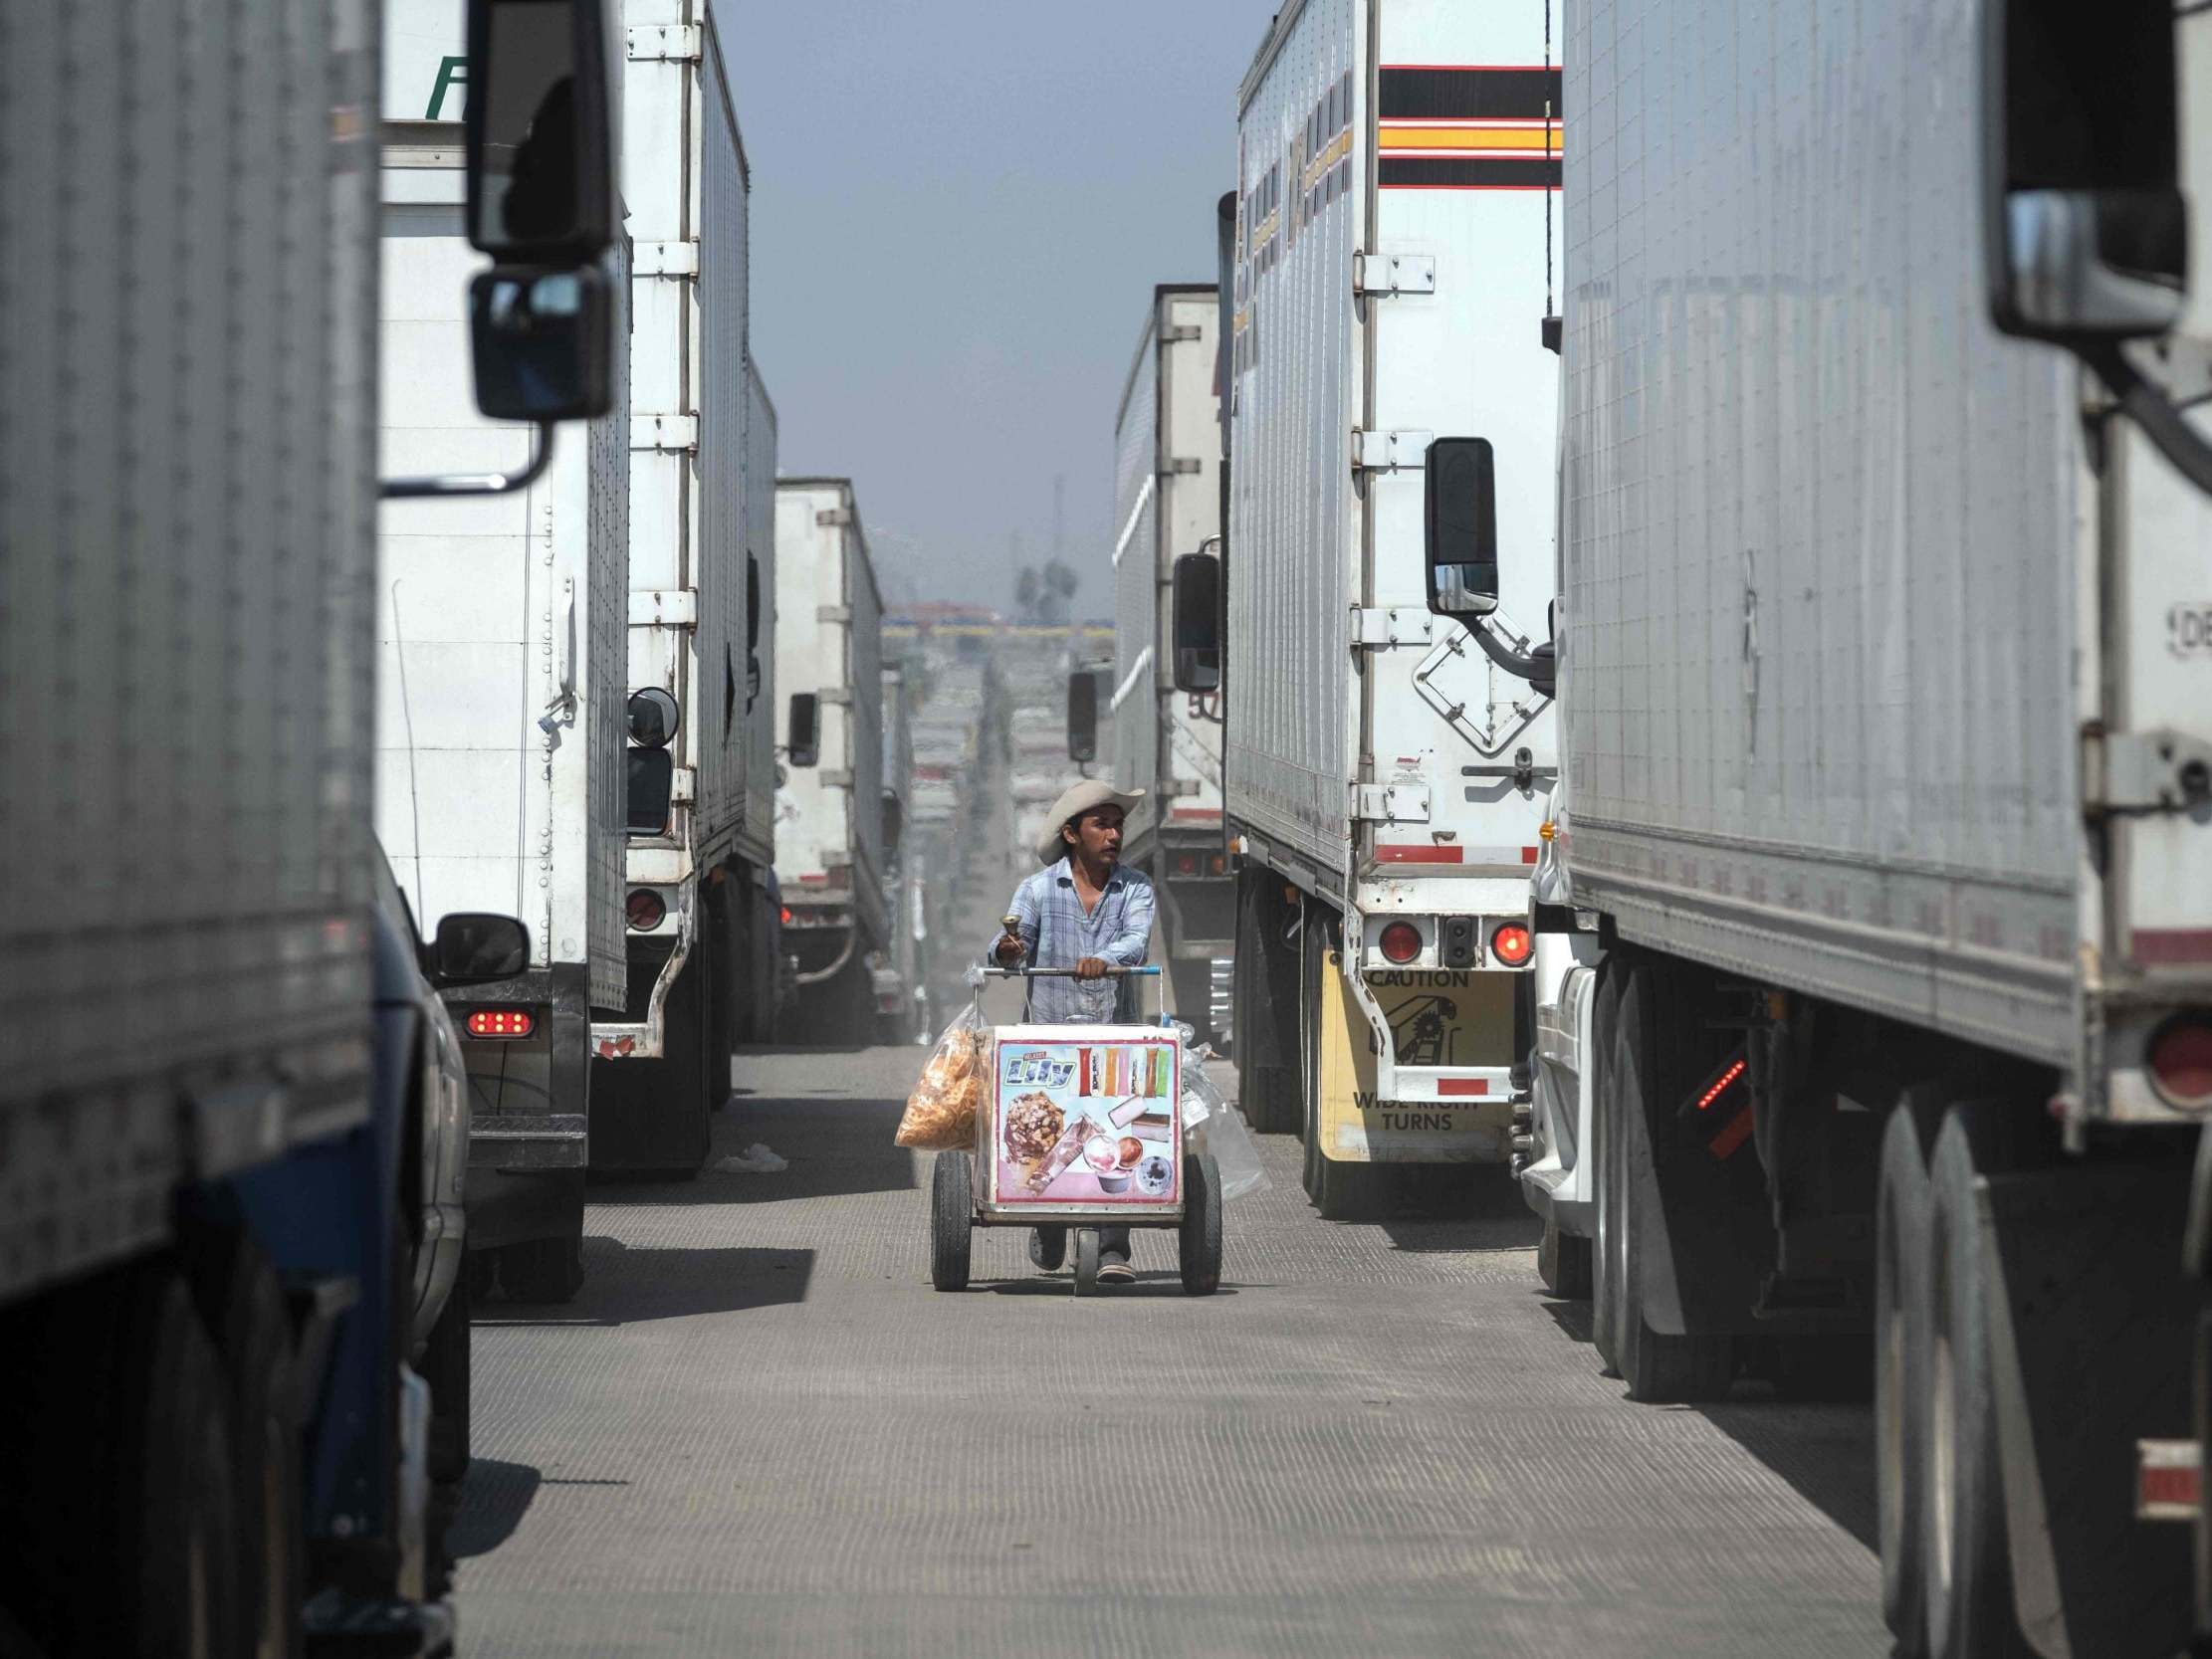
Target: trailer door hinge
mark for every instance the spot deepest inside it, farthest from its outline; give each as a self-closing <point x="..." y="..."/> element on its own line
<point x="1182" y="464"/>
<point x="1178" y="332"/>
<point x="832" y="613"/>
<point x="664" y="432"/>
<point x="1378" y="275"/>
<point x="670" y="43"/>
<point x="1390" y="803"/>
<point x="839" y="696"/>
<point x="2144" y="771"/>
<point x="829" y="515"/>
<point x="1390" y="452"/>
<point x="1396" y="625"/>
<point x="668" y="607"/>
<point x="665" y="259"/>
<point x="683" y="785"/>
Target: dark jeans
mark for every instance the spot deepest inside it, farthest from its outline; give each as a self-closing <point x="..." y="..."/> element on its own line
<point x="1113" y="1242"/>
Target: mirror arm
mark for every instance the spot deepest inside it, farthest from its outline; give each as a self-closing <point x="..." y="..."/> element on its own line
<point x="1537" y="671"/>
<point x="2148" y="406"/>
<point x="474" y="484"/>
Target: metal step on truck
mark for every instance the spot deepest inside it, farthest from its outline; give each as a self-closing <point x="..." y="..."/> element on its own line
<point x="232" y="1108"/>
<point x="831" y="857"/>
<point x="699" y="795"/>
<point x="1165" y="740"/>
<point x="1883" y="862"/>
<point x="1386" y="769"/>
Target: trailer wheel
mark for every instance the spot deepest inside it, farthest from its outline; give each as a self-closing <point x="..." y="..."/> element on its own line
<point x="1201" y="1240"/>
<point x="1563" y="1263"/>
<point x="1968" y="1571"/>
<point x="1604" y="1231"/>
<point x="1657" y="1368"/>
<point x="242" y="1306"/>
<point x="1901" y="1354"/>
<point x="445" y="1367"/>
<point x="1267" y="1000"/>
<point x="544" y="1270"/>
<point x="952" y="1234"/>
<point x="1086" y="1261"/>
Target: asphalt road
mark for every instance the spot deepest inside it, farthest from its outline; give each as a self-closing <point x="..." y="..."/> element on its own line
<point x="759" y="1431"/>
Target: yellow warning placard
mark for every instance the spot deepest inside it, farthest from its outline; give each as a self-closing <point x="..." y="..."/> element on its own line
<point x="1435" y="1019"/>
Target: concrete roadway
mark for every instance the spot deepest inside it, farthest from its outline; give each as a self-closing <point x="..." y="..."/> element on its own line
<point x="759" y="1431"/>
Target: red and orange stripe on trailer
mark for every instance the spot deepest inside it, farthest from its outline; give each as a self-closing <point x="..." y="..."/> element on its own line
<point x="1467" y="126"/>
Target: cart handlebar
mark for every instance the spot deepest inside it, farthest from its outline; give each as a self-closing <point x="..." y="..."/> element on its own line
<point x="1063" y="972"/>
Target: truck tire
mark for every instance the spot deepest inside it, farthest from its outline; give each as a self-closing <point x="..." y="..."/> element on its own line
<point x="445" y="1367"/>
<point x="1657" y="1368"/>
<point x="952" y="1230"/>
<point x="1269" y="1022"/>
<point x="242" y="1306"/>
<point x="1900" y="1351"/>
<point x="1606" y="1235"/>
<point x="1968" y="1569"/>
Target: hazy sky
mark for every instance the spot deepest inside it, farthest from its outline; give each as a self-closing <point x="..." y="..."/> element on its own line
<point x="959" y="210"/>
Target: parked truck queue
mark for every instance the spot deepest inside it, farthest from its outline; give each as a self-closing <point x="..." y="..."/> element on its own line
<point x="1646" y="642"/>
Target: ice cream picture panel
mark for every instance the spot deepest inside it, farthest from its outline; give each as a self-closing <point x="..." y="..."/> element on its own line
<point x="1087" y="1116"/>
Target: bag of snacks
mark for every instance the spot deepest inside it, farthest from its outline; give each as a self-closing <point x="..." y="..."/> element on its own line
<point x="940" y="1115"/>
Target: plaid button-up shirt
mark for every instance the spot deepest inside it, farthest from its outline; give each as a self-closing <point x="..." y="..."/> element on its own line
<point x="1059" y="935"/>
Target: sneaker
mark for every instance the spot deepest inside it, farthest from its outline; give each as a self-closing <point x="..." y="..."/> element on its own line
<point x="1114" y="1269"/>
<point x="1047" y="1248"/>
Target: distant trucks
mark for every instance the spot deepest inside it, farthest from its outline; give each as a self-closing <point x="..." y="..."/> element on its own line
<point x="1167" y="740"/>
<point x="699" y="793"/>
<point x="226" y="1201"/>
<point x="1882" y="885"/>
<point x="831" y="854"/>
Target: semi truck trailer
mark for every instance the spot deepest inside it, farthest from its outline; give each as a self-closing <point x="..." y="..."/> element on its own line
<point x="700" y="786"/>
<point x="500" y="711"/>
<point x="1165" y="741"/>
<point x="225" y="1196"/>
<point x="1387" y="771"/>
<point x="830" y="859"/>
<point x="1882" y="862"/>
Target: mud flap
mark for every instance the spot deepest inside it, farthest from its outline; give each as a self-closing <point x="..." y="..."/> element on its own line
<point x="1471" y="1014"/>
<point x="2092" y="1342"/>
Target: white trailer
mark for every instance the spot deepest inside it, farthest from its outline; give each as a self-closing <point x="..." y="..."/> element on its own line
<point x="701" y="786"/>
<point x="830" y="851"/>
<point x="1386" y="777"/>
<point x="1168" y="742"/>
<point x="1885" y="676"/>
<point x="500" y="685"/>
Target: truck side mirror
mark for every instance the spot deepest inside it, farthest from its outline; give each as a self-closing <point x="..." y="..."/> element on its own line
<point x="543" y="343"/>
<point x="2082" y="217"/>
<point x="1459" y="527"/>
<point x="541" y="130"/>
<point x="472" y="947"/>
<point x="802" y="742"/>
<point x="1082" y="714"/>
<point x="1195" y="609"/>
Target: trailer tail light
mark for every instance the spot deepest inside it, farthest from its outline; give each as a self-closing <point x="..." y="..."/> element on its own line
<point x="2181" y="1063"/>
<point x="501" y="1023"/>
<point x="1721" y="1115"/>
<point x="645" y="909"/>
<point x="2169" y="1480"/>
<point x="787" y="915"/>
<point x="1512" y="944"/>
<point x="1220" y="864"/>
<point x="1401" y="941"/>
<point x="1186" y="863"/>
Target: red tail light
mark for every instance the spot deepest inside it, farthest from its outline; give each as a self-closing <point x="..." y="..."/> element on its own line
<point x="1186" y="863"/>
<point x="2181" y="1063"/>
<point x="501" y="1022"/>
<point x="645" y="909"/>
<point x="1512" y="944"/>
<point x="1401" y="941"/>
<point x="787" y="915"/>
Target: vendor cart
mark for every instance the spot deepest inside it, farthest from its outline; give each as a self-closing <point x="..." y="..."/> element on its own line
<point x="1081" y="1127"/>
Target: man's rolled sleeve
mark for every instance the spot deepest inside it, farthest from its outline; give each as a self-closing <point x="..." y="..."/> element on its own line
<point x="1133" y="944"/>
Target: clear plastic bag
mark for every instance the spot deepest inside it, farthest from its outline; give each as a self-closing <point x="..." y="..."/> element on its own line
<point x="940" y="1115"/>
<point x="1212" y="1125"/>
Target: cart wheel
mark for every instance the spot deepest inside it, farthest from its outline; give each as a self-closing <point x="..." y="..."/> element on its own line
<point x="951" y="1185"/>
<point x="1202" y="1225"/>
<point x="1086" y="1260"/>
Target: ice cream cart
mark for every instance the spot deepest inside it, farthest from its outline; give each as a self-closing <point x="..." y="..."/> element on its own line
<point x="1081" y="1127"/>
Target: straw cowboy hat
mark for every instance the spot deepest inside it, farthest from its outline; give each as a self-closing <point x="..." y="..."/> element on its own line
<point x="1074" y="801"/>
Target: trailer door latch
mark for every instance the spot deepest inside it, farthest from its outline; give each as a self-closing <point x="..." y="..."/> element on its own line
<point x="1382" y="275"/>
<point x="1390" y="452"/>
<point x="2162" y="770"/>
<point x="1390" y="803"/>
<point x="1392" y="625"/>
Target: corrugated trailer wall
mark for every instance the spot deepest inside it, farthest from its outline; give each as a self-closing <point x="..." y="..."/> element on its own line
<point x="184" y="742"/>
<point x="756" y="689"/>
<point x="723" y="481"/>
<point x="604" y="692"/>
<point x="1821" y="522"/>
<point x="865" y="714"/>
<point x="1131" y="742"/>
<point x="1293" y="550"/>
